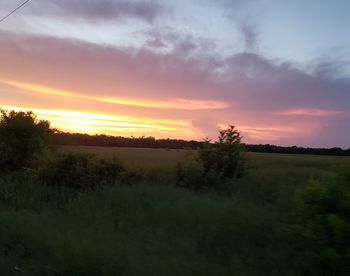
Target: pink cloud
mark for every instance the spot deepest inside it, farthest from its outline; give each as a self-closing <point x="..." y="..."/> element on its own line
<point x="247" y="89"/>
<point x="314" y="112"/>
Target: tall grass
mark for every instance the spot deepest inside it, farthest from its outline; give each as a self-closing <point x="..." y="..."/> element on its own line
<point x="144" y="225"/>
<point x="138" y="230"/>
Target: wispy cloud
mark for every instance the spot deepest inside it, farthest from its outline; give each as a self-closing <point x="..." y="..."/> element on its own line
<point x="313" y="112"/>
<point x="258" y="132"/>
<point x="250" y="36"/>
<point x="184" y="104"/>
<point x="146" y="11"/>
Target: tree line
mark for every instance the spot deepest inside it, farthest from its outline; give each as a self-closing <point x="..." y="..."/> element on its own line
<point x="26" y="144"/>
<point x="78" y="139"/>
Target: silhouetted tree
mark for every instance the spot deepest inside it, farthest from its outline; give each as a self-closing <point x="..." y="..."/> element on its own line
<point x="226" y="156"/>
<point x="215" y="163"/>
<point x="22" y="136"/>
<point x="78" y="139"/>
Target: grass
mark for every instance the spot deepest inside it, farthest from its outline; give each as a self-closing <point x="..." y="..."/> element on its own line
<point x="150" y="227"/>
<point x="134" y="231"/>
<point x="160" y="158"/>
<point x="272" y="168"/>
<point x="135" y="157"/>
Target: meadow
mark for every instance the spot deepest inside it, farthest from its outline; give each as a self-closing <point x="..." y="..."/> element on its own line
<point x="145" y="225"/>
<point x="168" y="158"/>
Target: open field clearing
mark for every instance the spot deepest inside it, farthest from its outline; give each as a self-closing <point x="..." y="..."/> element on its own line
<point x="168" y="158"/>
<point x="135" y="157"/>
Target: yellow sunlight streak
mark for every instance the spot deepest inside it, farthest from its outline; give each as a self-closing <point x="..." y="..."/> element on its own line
<point x="183" y="104"/>
<point x="96" y="123"/>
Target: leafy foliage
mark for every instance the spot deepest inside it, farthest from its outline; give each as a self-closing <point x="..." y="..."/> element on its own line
<point x="214" y="163"/>
<point x="225" y="158"/>
<point x="325" y="219"/>
<point x="192" y="175"/>
<point x="22" y="136"/>
<point x="81" y="171"/>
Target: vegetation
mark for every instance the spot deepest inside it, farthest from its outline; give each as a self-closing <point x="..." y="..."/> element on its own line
<point x="68" y="212"/>
<point x="298" y="150"/>
<point x="82" y="171"/>
<point x="265" y="225"/>
<point x="214" y="164"/>
<point x="325" y="219"/>
<point x="226" y="157"/>
<point x="157" y="159"/>
<point x="78" y="139"/>
<point x="145" y="158"/>
<point x="22" y="137"/>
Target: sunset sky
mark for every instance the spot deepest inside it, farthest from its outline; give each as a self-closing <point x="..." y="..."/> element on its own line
<point x="277" y="69"/>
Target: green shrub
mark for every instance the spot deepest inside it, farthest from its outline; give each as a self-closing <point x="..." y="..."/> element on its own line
<point x="325" y="218"/>
<point x="22" y="136"/>
<point x="192" y="175"/>
<point x="215" y="163"/>
<point x="82" y="171"/>
<point x="225" y="157"/>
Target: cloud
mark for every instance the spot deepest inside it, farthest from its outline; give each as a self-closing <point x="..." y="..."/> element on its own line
<point x="280" y="85"/>
<point x="233" y="6"/>
<point x="182" y="104"/>
<point x="332" y="69"/>
<point x="250" y="38"/>
<point x="271" y="134"/>
<point x="311" y="112"/>
<point x="146" y="11"/>
<point x="254" y="89"/>
<point x="333" y="134"/>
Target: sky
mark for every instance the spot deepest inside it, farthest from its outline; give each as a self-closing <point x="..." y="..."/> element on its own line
<point x="279" y="70"/>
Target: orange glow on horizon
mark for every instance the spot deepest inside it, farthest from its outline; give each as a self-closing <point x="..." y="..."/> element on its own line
<point x="97" y="123"/>
<point x="184" y="104"/>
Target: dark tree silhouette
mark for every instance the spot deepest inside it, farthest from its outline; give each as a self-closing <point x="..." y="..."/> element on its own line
<point x="22" y="136"/>
<point x="78" y="139"/>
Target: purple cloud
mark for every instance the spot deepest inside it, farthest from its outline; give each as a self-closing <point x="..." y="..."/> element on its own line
<point x="249" y="36"/>
<point x="260" y="92"/>
<point x="99" y="9"/>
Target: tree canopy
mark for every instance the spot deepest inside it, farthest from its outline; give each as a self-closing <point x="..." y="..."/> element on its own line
<point x="22" y="136"/>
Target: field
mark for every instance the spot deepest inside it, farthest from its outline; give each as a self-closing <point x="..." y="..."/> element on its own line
<point x="147" y="226"/>
<point x="167" y="158"/>
<point x="135" y="157"/>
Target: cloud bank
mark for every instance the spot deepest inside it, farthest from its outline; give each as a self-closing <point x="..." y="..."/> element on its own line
<point x="177" y="77"/>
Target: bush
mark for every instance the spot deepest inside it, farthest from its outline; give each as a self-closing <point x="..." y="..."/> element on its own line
<point x="325" y="218"/>
<point x="225" y="157"/>
<point x="22" y="137"/>
<point x="215" y="163"/>
<point x="82" y="171"/>
<point x="192" y="175"/>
